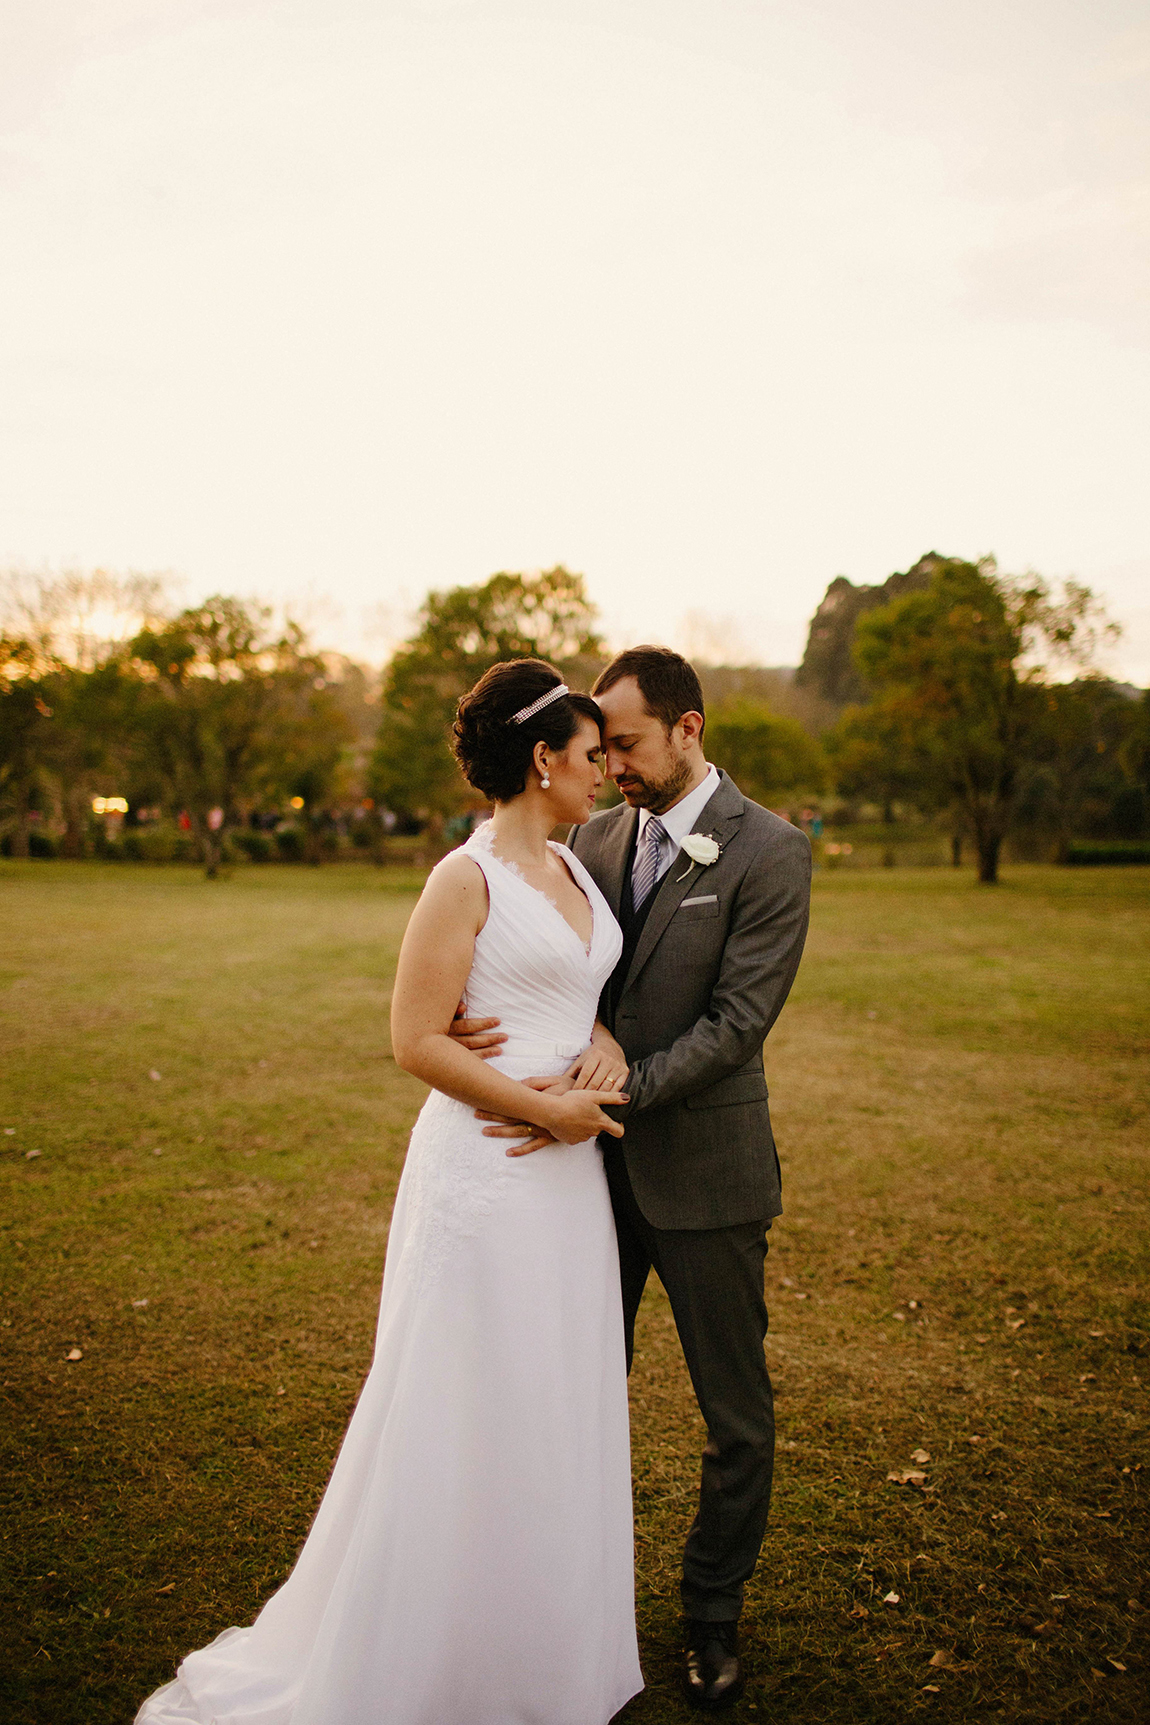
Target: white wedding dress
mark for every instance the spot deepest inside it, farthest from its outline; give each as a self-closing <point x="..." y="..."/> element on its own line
<point x="472" y="1560"/>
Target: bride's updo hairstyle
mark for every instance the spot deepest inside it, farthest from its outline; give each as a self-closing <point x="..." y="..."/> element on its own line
<point x="494" y="750"/>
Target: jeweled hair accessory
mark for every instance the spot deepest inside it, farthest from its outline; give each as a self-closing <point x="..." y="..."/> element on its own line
<point x="526" y="713"/>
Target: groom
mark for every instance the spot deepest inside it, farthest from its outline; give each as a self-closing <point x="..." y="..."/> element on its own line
<point x="712" y="893"/>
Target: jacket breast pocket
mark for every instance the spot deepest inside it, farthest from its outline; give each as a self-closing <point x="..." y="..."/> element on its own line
<point x="697" y="909"/>
<point x="739" y="1087"/>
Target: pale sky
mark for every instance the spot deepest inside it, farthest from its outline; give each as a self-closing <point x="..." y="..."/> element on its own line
<point x="333" y="301"/>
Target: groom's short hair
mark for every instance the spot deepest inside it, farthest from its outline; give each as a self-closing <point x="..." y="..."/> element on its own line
<point x="669" y="685"/>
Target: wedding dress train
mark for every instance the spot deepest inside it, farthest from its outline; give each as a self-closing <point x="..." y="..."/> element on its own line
<point x="471" y="1561"/>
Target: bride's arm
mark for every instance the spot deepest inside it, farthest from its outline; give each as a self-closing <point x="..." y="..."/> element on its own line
<point x="434" y="963"/>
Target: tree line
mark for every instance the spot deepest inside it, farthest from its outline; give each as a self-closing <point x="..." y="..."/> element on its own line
<point x="953" y="691"/>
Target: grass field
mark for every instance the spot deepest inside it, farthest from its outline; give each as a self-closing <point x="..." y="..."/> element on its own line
<point x="203" y="1130"/>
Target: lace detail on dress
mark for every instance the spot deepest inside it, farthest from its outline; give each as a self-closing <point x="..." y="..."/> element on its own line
<point x="484" y="839"/>
<point x="452" y="1176"/>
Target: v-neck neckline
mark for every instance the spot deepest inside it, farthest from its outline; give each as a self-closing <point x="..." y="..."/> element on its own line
<point x="514" y="870"/>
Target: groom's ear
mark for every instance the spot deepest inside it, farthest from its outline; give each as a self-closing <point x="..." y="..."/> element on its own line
<point x="690" y="727"/>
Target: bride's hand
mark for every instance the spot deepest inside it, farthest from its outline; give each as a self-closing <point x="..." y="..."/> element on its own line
<point x="603" y="1067"/>
<point x="579" y="1115"/>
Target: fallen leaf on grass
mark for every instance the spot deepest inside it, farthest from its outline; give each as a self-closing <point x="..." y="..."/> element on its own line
<point x="912" y="1476"/>
<point x="154" y="1075"/>
<point x="982" y="1338"/>
<point x="31" y="1155"/>
<point x="931" y="1689"/>
<point x="920" y="1455"/>
<point x="168" y="1589"/>
<point x="139" y="1305"/>
<point x="890" y="1599"/>
<point x="1097" y="1334"/>
<point x="1117" y="1663"/>
<point x="1015" y="1323"/>
<point x="859" y="1611"/>
<point x="972" y="1439"/>
<point x="74" y="1354"/>
<point x="1103" y="1515"/>
<point x="941" y="1658"/>
<point x="1088" y="1378"/>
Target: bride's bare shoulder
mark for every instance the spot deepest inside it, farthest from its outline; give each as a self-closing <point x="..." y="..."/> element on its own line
<point x="456" y="886"/>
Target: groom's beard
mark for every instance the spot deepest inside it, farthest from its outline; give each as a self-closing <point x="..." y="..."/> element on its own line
<point x="658" y="794"/>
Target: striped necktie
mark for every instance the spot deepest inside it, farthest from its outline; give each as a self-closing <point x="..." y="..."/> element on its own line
<point x="646" y="870"/>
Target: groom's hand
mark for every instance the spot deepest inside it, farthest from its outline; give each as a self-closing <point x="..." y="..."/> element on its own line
<point x="536" y="1138"/>
<point x="477" y="1034"/>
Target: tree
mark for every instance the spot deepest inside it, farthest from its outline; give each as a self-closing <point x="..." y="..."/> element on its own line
<point x="956" y="665"/>
<point x="216" y="683"/>
<point x="876" y="753"/>
<point x="766" y="755"/>
<point x="462" y="632"/>
<point x="77" y="625"/>
<point x="89" y="738"/>
<point x="1083" y="770"/>
<point x="24" y="719"/>
<point x="309" y="749"/>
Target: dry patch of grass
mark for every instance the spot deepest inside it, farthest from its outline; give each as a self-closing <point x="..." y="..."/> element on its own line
<point x="959" y="1089"/>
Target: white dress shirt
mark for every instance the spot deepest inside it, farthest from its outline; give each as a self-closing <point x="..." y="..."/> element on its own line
<point x="678" y="821"/>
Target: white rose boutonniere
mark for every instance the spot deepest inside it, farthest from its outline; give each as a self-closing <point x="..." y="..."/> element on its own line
<point x="702" y="849"/>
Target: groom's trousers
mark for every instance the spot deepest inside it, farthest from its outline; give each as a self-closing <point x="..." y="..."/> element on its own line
<point x="714" y="1282"/>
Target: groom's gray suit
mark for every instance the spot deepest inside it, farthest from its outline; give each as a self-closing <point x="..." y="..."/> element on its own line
<point x="707" y="963"/>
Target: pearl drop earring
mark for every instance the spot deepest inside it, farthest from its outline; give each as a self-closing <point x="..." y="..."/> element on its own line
<point x="545" y="783"/>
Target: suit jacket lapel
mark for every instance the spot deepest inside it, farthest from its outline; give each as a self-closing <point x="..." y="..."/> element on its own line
<point x="614" y="853"/>
<point x="720" y="816"/>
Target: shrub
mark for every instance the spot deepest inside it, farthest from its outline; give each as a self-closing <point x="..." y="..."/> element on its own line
<point x="1084" y="852"/>
<point x="289" y="842"/>
<point x="157" y="844"/>
<point x="257" y="847"/>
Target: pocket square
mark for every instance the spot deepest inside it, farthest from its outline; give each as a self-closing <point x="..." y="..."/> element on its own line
<point x="704" y="898"/>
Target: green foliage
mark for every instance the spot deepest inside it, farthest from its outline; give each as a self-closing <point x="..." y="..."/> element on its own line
<point x="290" y="844"/>
<point x="766" y="755"/>
<point x="462" y="632"/>
<point x="953" y="670"/>
<point x="24" y="719"/>
<point x="1084" y="747"/>
<point x="257" y="847"/>
<point x="878" y="754"/>
<point x="1107" y="851"/>
<point x="231" y="711"/>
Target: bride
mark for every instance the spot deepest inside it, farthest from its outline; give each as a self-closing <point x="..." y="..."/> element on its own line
<point x="471" y="1562"/>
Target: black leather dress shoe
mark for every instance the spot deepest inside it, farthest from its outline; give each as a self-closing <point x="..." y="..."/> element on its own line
<point x="712" y="1673"/>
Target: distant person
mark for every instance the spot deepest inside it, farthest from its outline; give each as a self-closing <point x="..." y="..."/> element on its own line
<point x="712" y="893"/>
<point x="472" y="1560"/>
